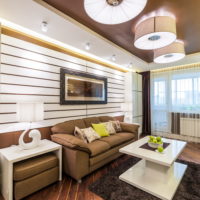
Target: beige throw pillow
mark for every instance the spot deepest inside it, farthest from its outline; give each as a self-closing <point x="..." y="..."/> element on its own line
<point x="87" y="134"/>
<point x="90" y="134"/>
<point x="109" y="127"/>
<point x="117" y="126"/>
<point x="80" y="134"/>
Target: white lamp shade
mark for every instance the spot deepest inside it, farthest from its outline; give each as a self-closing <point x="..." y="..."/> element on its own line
<point x="30" y="112"/>
<point x="155" y="32"/>
<point x="170" y="53"/>
<point x="104" y="12"/>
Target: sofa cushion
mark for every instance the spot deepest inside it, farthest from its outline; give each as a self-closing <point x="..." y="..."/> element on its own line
<point x="34" y="166"/>
<point x="98" y="147"/>
<point x="106" y="118"/>
<point x="127" y="127"/>
<point x="126" y="136"/>
<point x="67" y="127"/>
<point x="113" y="140"/>
<point x="91" y="120"/>
<point x="70" y="141"/>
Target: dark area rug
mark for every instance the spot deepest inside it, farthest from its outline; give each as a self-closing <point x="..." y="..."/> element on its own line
<point x="109" y="187"/>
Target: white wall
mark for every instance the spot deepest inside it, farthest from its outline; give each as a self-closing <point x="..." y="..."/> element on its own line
<point x="32" y="73"/>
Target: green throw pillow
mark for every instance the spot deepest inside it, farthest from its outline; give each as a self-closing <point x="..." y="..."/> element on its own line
<point x="100" y="129"/>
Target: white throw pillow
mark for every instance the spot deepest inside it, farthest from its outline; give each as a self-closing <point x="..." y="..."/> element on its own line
<point x="110" y="128"/>
<point x="80" y="134"/>
<point x="90" y="134"/>
<point x="87" y="134"/>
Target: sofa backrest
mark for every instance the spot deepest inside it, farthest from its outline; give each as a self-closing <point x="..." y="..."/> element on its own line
<point x="106" y="118"/>
<point x="91" y="120"/>
<point x="69" y="126"/>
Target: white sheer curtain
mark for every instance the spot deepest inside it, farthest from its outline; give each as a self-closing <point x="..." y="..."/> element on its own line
<point x="175" y="102"/>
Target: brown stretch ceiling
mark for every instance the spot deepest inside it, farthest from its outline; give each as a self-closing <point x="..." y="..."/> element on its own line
<point x="187" y="13"/>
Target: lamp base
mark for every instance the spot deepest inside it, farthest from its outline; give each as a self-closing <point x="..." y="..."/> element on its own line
<point x="36" y="138"/>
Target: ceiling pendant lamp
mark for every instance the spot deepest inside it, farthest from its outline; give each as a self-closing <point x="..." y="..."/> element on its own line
<point x="170" y="53"/>
<point x="155" y="32"/>
<point x="113" y="11"/>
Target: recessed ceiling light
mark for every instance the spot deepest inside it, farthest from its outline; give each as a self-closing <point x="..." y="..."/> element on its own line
<point x="113" y="11"/>
<point x="155" y="32"/>
<point x="130" y="66"/>
<point x="113" y="57"/>
<point x="87" y="46"/>
<point x="170" y="53"/>
<point x="44" y="26"/>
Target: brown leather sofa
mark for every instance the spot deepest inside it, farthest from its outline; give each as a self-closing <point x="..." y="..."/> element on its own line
<point x="79" y="158"/>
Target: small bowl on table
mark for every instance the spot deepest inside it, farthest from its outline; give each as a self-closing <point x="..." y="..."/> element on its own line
<point x="155" y="145"/>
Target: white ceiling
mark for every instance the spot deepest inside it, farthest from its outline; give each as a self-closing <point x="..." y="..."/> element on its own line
<point x="29" y="14"/>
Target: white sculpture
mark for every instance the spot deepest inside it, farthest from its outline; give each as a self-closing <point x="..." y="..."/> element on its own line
<point x="36" y="138"/>
<point x="30" y="112"/>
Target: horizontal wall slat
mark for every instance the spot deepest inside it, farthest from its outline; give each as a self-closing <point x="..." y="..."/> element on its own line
<point x="108" y="114"/>
<point x="115" y="86"/>
<point x="31" y="98"/>
<point x="106" y="110"/>
<point x="7" y="59"/>
<point x="9" y="50"/>
<point x="108" y="75"/>
<point x="117" y="91"/>
<point x="58" y="107"/>
<point x="102" y="73"/>
<point x="49" y="115"/>
<point x="11" y="79"/>
<point x="103" y="105"/>
<point x="7" y="108"/>
<point x="5" y="118"/>
<point x="113" y="95"/>
<point x="28" y="90"/>
<point x="42" y="50"/>
<point x="106" y="69"/>
<point x="30" y="72"/>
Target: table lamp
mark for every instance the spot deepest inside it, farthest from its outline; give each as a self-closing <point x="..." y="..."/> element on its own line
<point x="127" y="109"/>
<point x="30" y="112"/>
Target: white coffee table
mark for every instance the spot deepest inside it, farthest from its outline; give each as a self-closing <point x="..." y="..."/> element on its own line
<point x="157" y="174"/>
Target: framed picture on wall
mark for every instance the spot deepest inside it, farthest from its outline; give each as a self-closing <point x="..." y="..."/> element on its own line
<point x="82" y="88"/>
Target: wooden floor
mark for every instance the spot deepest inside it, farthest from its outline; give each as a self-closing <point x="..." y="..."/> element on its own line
<point x="69" y="189"/>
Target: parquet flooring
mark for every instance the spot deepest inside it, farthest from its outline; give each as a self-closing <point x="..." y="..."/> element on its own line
<point x="68" y="189"/>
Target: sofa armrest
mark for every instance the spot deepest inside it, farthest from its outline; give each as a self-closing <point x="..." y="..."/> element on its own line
<point x="71" y="142"/>
<point x="132" y="128"/>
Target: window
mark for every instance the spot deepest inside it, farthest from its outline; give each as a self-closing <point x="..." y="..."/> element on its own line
<point x="186" y="93"/>
<point x="159" y="93"/>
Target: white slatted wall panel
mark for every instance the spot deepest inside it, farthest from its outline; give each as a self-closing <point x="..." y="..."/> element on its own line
<point x="32" y="73"/>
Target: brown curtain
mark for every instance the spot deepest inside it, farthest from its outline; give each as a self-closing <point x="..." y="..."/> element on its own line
<point x="146" y="103"/>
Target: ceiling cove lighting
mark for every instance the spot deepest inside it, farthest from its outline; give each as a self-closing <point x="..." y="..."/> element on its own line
<point x="170" y="53"/>
<point x="59" y="44"/>
<point x="155" y="32"/>
<point x="113" y="11"/>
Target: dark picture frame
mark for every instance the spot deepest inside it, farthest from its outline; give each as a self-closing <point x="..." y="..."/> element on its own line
<point x="82" y="88"/>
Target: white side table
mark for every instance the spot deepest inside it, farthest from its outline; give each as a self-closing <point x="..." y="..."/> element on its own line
<point x="13" y="154"/>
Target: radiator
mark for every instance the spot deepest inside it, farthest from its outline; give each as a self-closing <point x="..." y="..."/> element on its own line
<point x="190" y="127"/>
